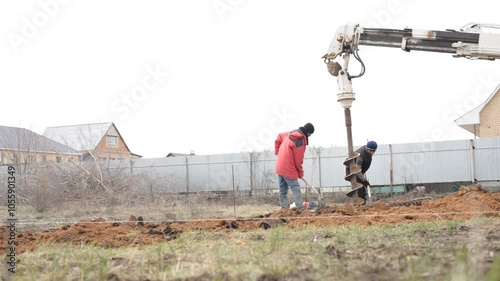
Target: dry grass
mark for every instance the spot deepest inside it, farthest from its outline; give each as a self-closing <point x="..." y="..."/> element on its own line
<point x="453" y="250"/>
<point x="166" y="208"/>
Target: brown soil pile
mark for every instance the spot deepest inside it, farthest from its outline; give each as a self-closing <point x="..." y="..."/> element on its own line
<point x="469" y="201"/>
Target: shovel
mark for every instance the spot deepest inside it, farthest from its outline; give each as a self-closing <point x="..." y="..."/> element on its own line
<point x="321" y="202"/>
<point x="369" y="199"/>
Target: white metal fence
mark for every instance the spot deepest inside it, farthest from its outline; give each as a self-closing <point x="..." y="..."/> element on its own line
<point x="393" y="164"/>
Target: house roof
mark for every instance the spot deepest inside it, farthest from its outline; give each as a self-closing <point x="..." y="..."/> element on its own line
<point x="20" y="139"/>
<point x="80" y="137"/>
<point x="472" y="118"/>
<point x="136" y="155"/>
<point x="175" y="154"/>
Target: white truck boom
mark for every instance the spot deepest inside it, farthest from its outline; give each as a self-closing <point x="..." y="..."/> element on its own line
<point x="471" y="41"/>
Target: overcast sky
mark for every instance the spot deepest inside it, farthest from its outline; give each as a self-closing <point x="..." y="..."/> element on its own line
<point x="224" y="76"/>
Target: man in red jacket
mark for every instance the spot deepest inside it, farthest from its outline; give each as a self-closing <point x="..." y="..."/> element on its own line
<point x="290" y="148"/>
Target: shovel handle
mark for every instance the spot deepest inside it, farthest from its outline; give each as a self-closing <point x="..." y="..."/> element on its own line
<point x="369" y="201"/>
<point x="304" y="181"/>
<point x="308" y="186"/>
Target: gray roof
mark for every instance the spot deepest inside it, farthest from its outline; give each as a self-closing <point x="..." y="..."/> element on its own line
<point x="13" y="138"/>
<point x="79" y="137"/>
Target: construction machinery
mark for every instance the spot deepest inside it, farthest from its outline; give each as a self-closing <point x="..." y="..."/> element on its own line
<point x="473" y="41"/>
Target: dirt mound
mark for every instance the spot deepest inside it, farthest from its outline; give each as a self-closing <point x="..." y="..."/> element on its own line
<point x="96" y="232"/>
<point x="469" y="201"/>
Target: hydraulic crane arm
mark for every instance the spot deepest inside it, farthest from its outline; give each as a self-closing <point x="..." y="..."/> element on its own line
<point x="470" y="41"/>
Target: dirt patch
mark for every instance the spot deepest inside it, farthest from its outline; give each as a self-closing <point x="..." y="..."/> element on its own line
<point x="469" y="201"/>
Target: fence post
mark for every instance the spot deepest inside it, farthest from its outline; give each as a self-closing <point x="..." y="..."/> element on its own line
<point x="186" y="181"/>
<point x="250" y="159"/>
<point x="318" y="154"/>
<point x="234" y="195"/>
<point x="473" y="161"/>
<point x="391" y="179"/>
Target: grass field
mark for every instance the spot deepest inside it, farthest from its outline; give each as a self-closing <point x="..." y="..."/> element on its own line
<point x="455" y="238"/>
<point x="438" y="250"/>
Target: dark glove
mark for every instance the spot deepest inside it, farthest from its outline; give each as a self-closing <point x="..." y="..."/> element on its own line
<point x="366" y="183"/>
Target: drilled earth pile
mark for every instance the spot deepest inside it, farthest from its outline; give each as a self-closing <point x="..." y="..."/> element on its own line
<point x="469" y="201"/>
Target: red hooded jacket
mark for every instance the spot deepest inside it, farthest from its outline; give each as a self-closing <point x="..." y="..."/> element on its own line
<point x="290" y="148"/>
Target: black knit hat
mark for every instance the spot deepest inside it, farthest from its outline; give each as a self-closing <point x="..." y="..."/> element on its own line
<point x="307" y="129"/>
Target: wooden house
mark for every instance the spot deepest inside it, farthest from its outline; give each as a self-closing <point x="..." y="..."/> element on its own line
<point x="95" y="141"/>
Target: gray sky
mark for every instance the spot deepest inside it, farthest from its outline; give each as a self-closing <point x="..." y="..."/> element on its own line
<point x="224" y="76"/>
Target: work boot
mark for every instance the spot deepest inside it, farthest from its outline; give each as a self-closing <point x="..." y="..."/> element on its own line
<point x="358" y="201"/>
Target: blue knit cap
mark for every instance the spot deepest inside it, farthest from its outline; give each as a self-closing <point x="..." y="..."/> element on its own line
<point x="371" y="145"/>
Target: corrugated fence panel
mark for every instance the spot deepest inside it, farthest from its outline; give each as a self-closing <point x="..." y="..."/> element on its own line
<point x="487" y="159"/>
<point x="264" y="177"/>
<point x="215" y="172"/>
<point x="379" y="172"/>
<point x="431" y="162"/>
<point x="166" y="174"/>
<point x="230" y="171"/>
<point x="200" y="173"/>
<point x="311" y="168"/>
<point x="332" y="169"/>
<point x="241" y="171"/>
<point x="414" y="163"/>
